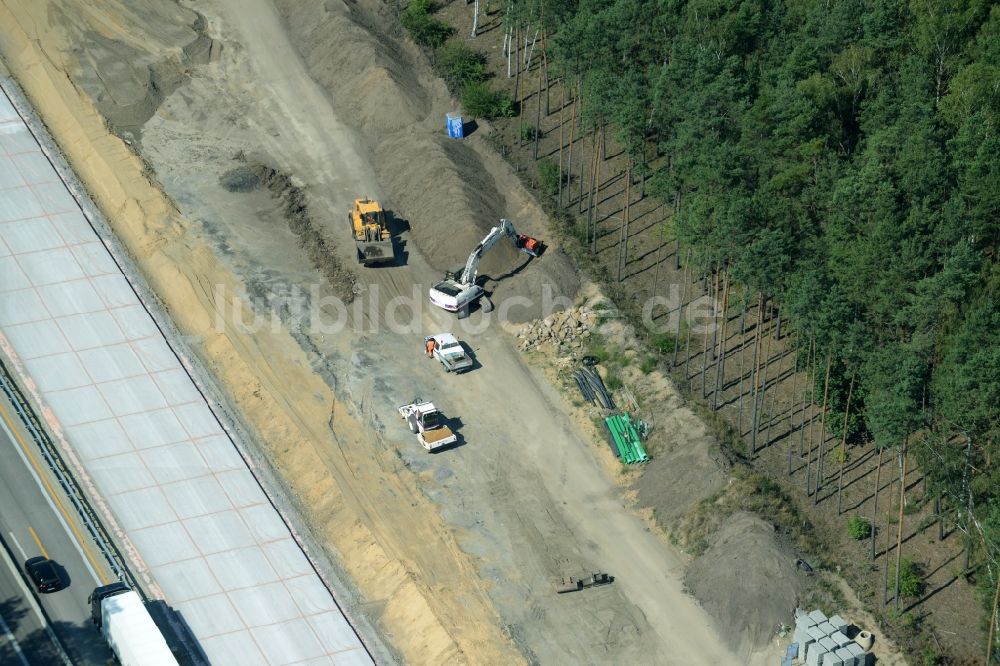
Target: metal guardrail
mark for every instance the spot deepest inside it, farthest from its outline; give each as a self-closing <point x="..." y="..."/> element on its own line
<point x="54" y="460"/>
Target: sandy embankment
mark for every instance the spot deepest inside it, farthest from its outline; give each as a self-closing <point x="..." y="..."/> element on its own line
<point x="266" y="373"/>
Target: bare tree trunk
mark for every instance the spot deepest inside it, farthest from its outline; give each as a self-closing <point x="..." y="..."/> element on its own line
<point x="743" y="362"/>
<point x="531" y="52"/>
<point x="590" y="191"/>
<point x="623" y="235"/>
<point x="687" y="347"/>
<point x="878" y="475"/>
<point x="538" y="115"/>
<point x="940" y="517"/>
<point x="767" y="365"/>
<point x="704" y="353"/>
<point x="659" y="250"/>
<point x="628" y="210"/>
<point x="822" y="432"/>
<point x="562" y="103"/>
<point x="720" y="364"/>
<point x="885" y="558"/>
<point x="812" y="418"/>
<point x="968" y="489"/>
<point x="581" y="151"/>
<point x="475" y="17"/>
<point x="716" y="287"/>
<point x="680" y="309"/>
<point x="802" y="406"/>
<point x="843" y="447"/>
<point x="569" y="157"/>
<point x="677" y="252"/>
<point x="723" y="346"/>
<point x="545" y="72"/>
<point x="773" y="409"/>
<point x="755" y="375"/>
<point x="993" y="622"/>
<point x="899" y="527"/>
<point x="508" y="37"/>
<point x="595" y="208"/>
<point x="517" y="70"/>
<point x="770" y="415"/>
<point x="791" y="407"/>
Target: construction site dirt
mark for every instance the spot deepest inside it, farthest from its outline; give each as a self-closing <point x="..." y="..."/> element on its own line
<point x="226" y="145"/>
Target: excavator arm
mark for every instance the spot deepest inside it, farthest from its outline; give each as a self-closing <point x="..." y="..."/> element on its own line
<point x="505" y="228"/>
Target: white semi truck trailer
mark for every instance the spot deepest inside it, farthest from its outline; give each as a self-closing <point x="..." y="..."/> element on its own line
<point x="121" y="615"/>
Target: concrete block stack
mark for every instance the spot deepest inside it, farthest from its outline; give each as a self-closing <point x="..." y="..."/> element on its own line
<point x="823" y="641"/>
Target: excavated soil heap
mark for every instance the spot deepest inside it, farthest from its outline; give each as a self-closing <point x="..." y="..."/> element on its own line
<point x="374" y="86"/>
<point x="443" y="188"/>
<point x="747" y="581"/>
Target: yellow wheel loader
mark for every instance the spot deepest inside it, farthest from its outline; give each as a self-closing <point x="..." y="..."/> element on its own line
<point x="371" y="232"/>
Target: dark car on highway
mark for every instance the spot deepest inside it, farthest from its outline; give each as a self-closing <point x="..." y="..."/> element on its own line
<point x="43" y="573"/>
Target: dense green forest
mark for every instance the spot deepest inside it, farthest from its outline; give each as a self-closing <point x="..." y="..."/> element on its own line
<point x="842" y="160"/>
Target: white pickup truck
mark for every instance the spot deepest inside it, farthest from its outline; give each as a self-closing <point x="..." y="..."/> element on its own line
<point x="449" y="351"/>
<point x="427" y="423"/>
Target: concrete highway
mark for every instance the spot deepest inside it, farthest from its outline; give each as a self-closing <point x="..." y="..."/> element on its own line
<point x="37" y="519"/>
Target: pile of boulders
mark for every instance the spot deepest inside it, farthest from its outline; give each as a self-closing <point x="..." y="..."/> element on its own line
<point x="568" y="327"/>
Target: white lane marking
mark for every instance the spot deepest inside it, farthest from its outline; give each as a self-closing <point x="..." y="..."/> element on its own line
<point x="33" y="603"/>
<point x="5" y="630"/>
<point x="24" y="555"/>
<point x="58" y="514"/>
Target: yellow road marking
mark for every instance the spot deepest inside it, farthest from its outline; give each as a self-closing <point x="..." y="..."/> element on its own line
<point x="55" y="498"/>
<point x="38" y="541"/>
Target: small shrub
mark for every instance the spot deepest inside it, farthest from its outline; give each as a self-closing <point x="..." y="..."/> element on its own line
<point x="424" y="28"/>
<point x="699" y="547"/>
<point x="911" y="580"/>
<point x="648" y="365"/>
<point x="613" y="382"/>
<point x="859" y="528"/>
<point x="597" y="350"/>
<point x="910" y="621"/>
<point x="528" y="132"/>
<point x="662" y="343"/>
<point x="931" y="657"/>
<point x="460" y="65"/>
<point x="548" y="177"/>
<point x="482" y="101"/>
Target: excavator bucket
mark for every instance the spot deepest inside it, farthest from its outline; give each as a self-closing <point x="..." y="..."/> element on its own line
<point x="530" y="245"/>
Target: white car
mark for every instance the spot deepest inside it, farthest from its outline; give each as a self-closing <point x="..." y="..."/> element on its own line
<point x="453" y="296"/>
<point x="450" y="352"/>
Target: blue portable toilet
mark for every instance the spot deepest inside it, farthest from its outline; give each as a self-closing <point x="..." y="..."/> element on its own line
<point x="455" y="126"/>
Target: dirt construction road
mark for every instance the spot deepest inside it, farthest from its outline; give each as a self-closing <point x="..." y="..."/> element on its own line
<point x="525" y="489"/>
<point x="452" y="555"/>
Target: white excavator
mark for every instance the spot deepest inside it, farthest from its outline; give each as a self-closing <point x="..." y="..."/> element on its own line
<point x="457" y="292"/>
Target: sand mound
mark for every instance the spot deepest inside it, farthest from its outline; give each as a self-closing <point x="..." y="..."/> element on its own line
<point x="452" y="202"/>
<point x="747" y="581"/>
<point x="694" y="475"/>
<point x="366" y="78"/>
<point x="133" y="54"/>
<point x="683" y="471"/>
